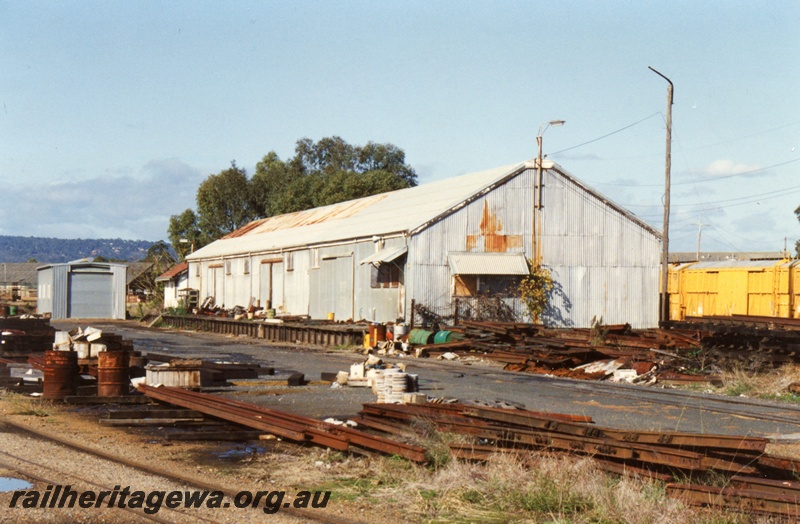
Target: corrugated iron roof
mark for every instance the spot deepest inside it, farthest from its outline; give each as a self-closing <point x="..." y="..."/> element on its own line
<point x="405" y="211"/>
<point x="173" y="272"/>
<point x="385" y="255"/>
<point x="487" y="264"/>
<point x="22" y="272"/>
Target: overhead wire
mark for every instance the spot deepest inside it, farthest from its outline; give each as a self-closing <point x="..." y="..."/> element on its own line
<point x="606" y="135"/>
<point x="702" y="207"/>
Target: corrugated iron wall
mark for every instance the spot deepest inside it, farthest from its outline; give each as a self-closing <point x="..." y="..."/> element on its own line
<point x="321" y="280"/>
<point x="604" y="263"/>
<point x="119" y="291"/>
<point x="44" y="301"/>
<point x="499" y="222"/>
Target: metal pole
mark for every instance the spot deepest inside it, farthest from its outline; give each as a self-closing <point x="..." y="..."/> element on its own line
<point x="537" y="217"/>
<point x="537" y="212"/>
<point x="699" y="235"/>
<point x="665" y="238"/>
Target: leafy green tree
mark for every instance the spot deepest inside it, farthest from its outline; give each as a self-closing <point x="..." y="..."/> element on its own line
<point x="184" y="227"/>
<point x="327" y="172"/>
<point x="224" y="202"/>
<point x="160" y="259"/>
<point x="320" y="173"/>
<point x="279" y="187"/>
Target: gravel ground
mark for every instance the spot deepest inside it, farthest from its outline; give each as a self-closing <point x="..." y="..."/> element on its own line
<point x="53" y="463"/>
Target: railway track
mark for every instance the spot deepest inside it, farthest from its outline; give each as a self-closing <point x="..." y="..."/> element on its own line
<point x="783" y="413"/>
<point x="45" y="472"/>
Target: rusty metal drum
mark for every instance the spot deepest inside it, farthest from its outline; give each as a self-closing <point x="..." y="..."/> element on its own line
<point x="60" y="374"/>
<point x="113" y="373"/>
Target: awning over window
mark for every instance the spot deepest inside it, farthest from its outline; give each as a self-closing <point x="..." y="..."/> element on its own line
<point x="488" y="264"/>
<point x="385" y="255"/>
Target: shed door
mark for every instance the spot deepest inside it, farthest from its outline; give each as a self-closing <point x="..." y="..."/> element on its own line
<point x="341" y="285"/>
<point x="271" y="285"/>
<point x="90" y="295"/>
<point x="332" y="288"/>
<point x="265" y="279"/>
<point x="216" y="285"/>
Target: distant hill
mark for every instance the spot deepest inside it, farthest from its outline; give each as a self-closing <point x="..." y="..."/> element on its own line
<point x="55" y="250"/>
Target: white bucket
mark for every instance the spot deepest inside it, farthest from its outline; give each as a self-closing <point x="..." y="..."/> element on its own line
<point x="400" y="331"/>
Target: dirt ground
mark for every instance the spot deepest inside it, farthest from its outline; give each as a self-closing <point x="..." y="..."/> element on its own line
<point x="365" y="488"/>
<point x="255" y="465"/>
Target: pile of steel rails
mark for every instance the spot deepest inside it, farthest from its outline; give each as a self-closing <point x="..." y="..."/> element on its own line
<point x="292" y="427"/>
<point x="753" y="480"/>
<point x="533" y="348"/>
<point x="742" y="339"/>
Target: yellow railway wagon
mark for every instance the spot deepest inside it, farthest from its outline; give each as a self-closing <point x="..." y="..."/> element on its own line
<point x="734" y="287"/>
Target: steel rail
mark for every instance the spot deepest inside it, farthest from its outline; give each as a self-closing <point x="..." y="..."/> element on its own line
<point x="582" y="444"/>
<point x="308" y="429"/>
<point x="315" y="516"/>
<point x="695" y="440"/>
<point x="557" y="424"/>
<point x="745" y="500"/>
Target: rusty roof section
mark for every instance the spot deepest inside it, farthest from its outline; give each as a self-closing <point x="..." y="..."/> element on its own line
<point x="173" y="272"/>
<point x="317" y="215"/>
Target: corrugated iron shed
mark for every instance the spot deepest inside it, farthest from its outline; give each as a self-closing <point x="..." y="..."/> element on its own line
<point x="406" y="211"/>
<point x="605" y="260"/>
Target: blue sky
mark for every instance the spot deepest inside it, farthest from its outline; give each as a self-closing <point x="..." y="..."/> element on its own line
<point x="113" y="112"/>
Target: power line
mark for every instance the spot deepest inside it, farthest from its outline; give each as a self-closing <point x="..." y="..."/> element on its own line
<point x="607" y="135"/>
<point x="779" y="192"/>
<point x="703" y="181"/>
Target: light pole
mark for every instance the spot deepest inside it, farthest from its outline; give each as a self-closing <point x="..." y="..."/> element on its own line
<point x="187" y="241"/>
<point x="665" y="234"/>
<point x="537" y="212"/>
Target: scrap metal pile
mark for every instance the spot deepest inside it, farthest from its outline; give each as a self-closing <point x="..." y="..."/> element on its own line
<point x="748" y="341"/>
<point x="616" y="352"/>
<point x="697" y="349"/>
<point x="22" y="336"/>
<point x="754" y="481"/>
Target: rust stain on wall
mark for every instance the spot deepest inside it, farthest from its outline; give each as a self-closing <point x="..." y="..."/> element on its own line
<point x="490" y="224"/>
<point x="493" y="241"/>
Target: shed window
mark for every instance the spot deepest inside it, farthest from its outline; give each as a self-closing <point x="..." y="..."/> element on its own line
<point x="227" y="267"/>
<point x="386" y="275"/>
<point x="489" y="285"/>
<point x="246" y="269"/>
<point x="288" y="259"/>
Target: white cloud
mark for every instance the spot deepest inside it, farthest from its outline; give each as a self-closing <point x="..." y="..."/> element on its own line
<point x="124" y="206"/>
<point x="719" y="168"/>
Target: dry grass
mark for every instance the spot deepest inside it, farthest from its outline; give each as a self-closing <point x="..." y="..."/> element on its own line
<point x="14" y="404"/>
<point x="531" y="487"/>
<point x="770" y="385"/>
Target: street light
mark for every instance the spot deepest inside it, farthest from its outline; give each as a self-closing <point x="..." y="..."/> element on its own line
<point x="665" y="232"/>
<point x="187" y="241"/>
<point x="537" y="213"/>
